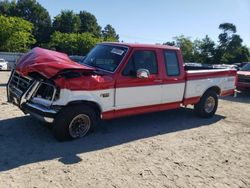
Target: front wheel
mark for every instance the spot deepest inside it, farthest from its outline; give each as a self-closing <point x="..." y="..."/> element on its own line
<point x="207" y="105"/>
<point x="73" y="122"/>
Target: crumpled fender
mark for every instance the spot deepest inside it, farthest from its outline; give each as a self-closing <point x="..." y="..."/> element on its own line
<point x="48" y="63"/>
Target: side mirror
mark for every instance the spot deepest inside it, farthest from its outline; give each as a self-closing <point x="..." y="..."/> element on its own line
<point x="142" y="73"/>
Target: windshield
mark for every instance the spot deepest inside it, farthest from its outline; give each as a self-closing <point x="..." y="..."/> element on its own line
<point x="246" y="67"/>
<point x="106" y="57"/>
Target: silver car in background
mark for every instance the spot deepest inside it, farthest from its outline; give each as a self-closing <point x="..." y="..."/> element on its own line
<point x="3" y="64"/>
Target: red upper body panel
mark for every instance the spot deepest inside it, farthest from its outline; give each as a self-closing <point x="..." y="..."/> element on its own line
<point x="47" y="62"/>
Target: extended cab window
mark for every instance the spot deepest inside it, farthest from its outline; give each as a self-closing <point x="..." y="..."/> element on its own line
<point x="172" y="64"/>
<point x="141" y="59"/>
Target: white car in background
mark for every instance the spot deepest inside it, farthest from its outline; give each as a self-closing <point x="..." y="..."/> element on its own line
<point x="3" y="64"/>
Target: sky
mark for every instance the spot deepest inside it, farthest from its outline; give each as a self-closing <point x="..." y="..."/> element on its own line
<point x="158" y="21"/>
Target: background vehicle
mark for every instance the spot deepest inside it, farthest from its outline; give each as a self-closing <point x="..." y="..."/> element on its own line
<point x="3" y="64"/>
<point x="244" y="77"/>
<point x="11" y="58"/>
<point x="113" y="80"/>
<point x="240" y="65"/>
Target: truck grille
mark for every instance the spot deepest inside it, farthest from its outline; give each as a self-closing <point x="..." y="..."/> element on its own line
<point x="19" y="84"/>
<point x="45" y="91"/>
<point x="45" y="94"/>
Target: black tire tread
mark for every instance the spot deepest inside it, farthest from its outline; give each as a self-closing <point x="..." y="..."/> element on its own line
<point x="199" y="107"/>
<point x="64" y="117"/>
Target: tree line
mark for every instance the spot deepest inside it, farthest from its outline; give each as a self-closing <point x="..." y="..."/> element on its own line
<point x="26" y="23"/>
<point x="228" y="50"/>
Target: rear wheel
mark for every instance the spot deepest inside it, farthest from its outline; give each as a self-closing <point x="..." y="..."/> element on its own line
<point x="207" y="105"/>
<point x="74" y="122"/>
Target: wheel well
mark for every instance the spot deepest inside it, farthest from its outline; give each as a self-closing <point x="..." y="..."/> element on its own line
<point x="94" y="105"/>
<point x="216" y="89"/>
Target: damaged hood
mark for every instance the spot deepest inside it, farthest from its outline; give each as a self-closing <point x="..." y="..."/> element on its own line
<point x="48" y="63"/>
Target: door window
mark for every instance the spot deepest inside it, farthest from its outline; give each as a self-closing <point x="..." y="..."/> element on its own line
<point x="141" y="60"/>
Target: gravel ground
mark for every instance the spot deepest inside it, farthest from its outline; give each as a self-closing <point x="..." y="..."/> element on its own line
<point x="165" y="149"/>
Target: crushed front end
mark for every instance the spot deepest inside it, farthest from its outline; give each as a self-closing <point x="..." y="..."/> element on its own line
<point x="33" y="96"/>
<point x="37" y="82"/>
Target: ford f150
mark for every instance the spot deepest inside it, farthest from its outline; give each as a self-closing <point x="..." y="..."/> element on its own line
<point x="113" y="80"/>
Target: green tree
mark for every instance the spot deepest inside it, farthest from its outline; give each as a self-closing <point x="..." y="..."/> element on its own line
<point x="89" y="23"/>
<point x="186" y="46"/>
<point x="230" y="49"/>
<point x="204" y="50"/>
<point x="109" y="33"/>
<point x="73" y="43"/>
<point x="15" y="34"/>
<point x="66" y="22"/>
<point x="8" y="8"/>
<point x="86" y="41"/>
<point x="33" y="12"/>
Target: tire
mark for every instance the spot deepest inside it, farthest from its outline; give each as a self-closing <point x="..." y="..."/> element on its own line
<point x="74" y="121"/>
<point x="207" y="105"/>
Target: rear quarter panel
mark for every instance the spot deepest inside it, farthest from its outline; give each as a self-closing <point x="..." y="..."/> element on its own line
<point x="197" y="82"/>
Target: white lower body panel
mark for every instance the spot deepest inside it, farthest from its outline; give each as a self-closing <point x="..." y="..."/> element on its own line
<point x="196" y="88"/>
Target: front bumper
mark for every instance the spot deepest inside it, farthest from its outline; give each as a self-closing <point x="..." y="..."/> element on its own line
<point x="23" y="99"/>
<point x="39" y="111"/>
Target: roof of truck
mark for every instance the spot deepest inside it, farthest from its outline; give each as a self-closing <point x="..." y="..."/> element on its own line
<point x="137" y="45"/>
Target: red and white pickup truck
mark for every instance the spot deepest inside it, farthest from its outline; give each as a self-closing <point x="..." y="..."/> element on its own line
<point x="113" y="80"/>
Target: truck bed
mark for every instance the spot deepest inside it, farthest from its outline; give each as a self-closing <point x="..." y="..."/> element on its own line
<point x="198" y="81"/>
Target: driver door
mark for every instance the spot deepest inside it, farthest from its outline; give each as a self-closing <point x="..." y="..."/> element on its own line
<point x="133" y="92"/>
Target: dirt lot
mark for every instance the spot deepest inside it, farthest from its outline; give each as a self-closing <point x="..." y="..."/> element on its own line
<point x="166" y="149"/>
